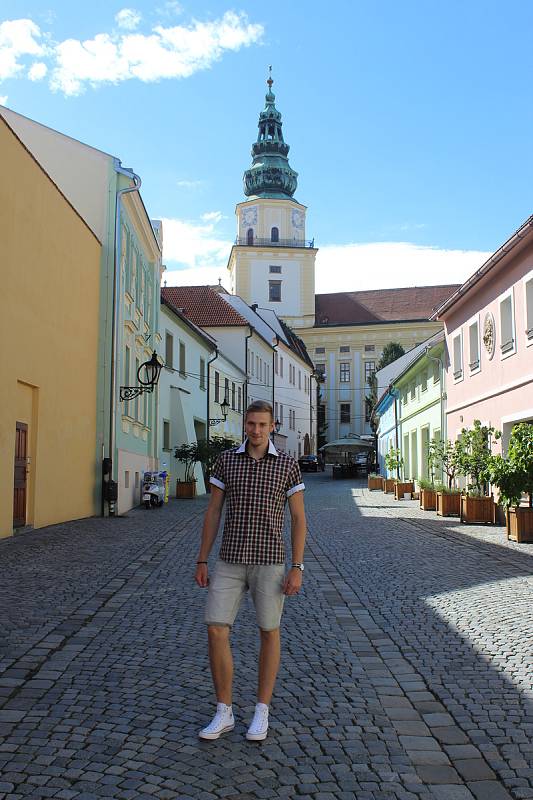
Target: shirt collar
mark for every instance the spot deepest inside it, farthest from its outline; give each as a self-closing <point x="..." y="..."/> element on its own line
<point x="271" y="449"/>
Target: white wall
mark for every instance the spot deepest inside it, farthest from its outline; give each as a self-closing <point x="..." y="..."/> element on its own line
<point x="290" y="278"/>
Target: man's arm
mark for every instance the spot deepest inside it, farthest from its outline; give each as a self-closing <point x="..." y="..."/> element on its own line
<point x="293" y="581"/>
<point x="209" y="533"/>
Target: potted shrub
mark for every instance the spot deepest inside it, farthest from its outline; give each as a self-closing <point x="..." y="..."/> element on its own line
<point x="375" y="482"/>
<point x="442" y="455"/>
<point x="401" y="488"/>
<point x="428" y="495"/>
<point x="393" y="462"/>
<point x="474" y="458"/>
<point x="189" y="455"/>
<point x="513" y="476"/>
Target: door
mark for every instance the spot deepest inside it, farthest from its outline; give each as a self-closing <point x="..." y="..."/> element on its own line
<point x="20" y="483"/>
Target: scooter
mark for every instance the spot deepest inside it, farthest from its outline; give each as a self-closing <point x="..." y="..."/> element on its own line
<point x="153" y="491"/>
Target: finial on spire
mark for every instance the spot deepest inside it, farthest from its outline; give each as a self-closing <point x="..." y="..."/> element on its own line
<point x="270" y="81"/>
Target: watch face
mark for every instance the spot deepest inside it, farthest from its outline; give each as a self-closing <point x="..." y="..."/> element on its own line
<point x="249" y="216"/>
<point x="297" y="218"/>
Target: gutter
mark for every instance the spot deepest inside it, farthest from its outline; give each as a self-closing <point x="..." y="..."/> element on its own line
<point x="209" y="391"/>
<point x="245" y="398"/>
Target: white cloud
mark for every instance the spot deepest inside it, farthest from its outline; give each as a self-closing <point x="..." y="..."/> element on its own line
<point x="3" y="99"/>
<point x="384" y="265"/>
<point x="196" y="246"/>
<point x="18" y="37"/>
<point x="212" y="216"/>
<point x="172" y="52"/>
<point x="37" y="71"/>
<point x="128" y="19"/>
<point x="185" y="184"/>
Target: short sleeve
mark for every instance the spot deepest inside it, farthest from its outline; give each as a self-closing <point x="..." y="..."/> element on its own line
<point x="218" y="475"/>
<point x="294" y="480"/>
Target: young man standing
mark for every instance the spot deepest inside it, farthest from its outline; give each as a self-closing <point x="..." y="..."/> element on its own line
<point x="256" y="481"/>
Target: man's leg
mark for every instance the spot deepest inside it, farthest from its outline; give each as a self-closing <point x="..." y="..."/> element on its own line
<point x="269" y="658"/>
<point x="221" y="662"/>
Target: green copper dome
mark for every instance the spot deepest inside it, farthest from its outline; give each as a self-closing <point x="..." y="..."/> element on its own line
<point x="270" y="174"/>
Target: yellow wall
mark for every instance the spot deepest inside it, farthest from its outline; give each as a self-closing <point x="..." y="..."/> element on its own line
<point x="50" y="269"/>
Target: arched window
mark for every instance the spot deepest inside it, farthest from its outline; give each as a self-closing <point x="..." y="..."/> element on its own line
<point x="250" y="236"/>
<point x="274" y="235"/>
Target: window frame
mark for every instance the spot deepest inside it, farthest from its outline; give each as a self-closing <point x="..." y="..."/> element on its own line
<point x="274" y="269"/>
<point x="202" y="374"/>
<point x="475" y="320"/>
<point x="341" y="412"/>
<point x="528" y="280"/>
<point x="344" y="369"/>
<point x="169" y="340"/>
<point x="271" y="286"/>
<point x="182" y="367"/>
<point x="274" y="234"/>
<point x="166" y="440"/>
<point x="458" y="374"/>
<point x="217" y="386"/>
<point x="510" y="351"/>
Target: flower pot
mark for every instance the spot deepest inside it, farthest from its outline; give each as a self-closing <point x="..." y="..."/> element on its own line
<point x="388" y="485"/>
<point x="448" y="505"/>
<point x="478" y="510"/>
<point x="186" y="490"/>
<point x="520" y="524"/>
<point x="402" y="488"/>
<point x="428" y="500"/>
<point x="375" y="483"/>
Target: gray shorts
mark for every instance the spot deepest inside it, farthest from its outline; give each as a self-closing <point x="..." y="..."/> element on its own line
<point x="228" y="584"/>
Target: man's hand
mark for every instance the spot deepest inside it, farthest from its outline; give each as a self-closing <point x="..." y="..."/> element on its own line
<point x="293" y="581"/>
<point x="201" y="575"/>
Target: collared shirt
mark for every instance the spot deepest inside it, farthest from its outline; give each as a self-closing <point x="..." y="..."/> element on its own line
<point x="256" y="493"/>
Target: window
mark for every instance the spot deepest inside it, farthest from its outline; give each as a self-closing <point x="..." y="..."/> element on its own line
<point x="137" y="365"/>
<point x="260" y="369"/>
<point x="127" y="479"/>
<point x="276" y="411"/>
<point x="182" y="360"/>
<point x="257" y="367"/>
<point x="239" y="399"/>
<point x="473" y="346"/>
<point x="281" y="413"/>
<point x="274" y="235"/>
<point x="412" y="391"/>
<point x="370" y="348"/>
<point x="424" y="380"/>
<point x="169" y="350"/>
<point x="528" y="297"/>
<point x="226" y="390"/>
<point x="320" y="349"/>
<point x="344" y="349"/>
<point x="458" y="357"/>
<point x="217" y="387"/>
<point x="370" y="368"/>
<point x="250" y="236"/>
<point x="281" y="366"/>
<point x="137" y="480"/>
<point x="299" y="379"/>
<point x="273" y="268"/>
<point x="436" y="372"/>
<point x="127" y="361"/>
<point x="320" y="369"/>
<point x="321" y="416"/>
<point x="404" y="396"/>
<point x="345" y="413"/>
<point x="233" y="388"/>
<point x="166" y="435"/>
<point x="276" y="366"/>
<point x="202" y="373"/>
<point x="274" y="291"/>
<point x="508" y="344"/>
<point x="344" y="375"/>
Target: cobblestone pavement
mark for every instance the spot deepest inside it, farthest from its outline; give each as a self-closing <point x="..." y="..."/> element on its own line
<point x="407" y="669"/>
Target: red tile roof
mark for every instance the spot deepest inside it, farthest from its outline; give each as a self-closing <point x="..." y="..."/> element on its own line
<point x="380" y="305"/>
<point x="202" y="305"/>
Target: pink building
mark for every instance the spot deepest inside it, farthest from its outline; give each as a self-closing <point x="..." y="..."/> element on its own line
<point x="488" y="324"/>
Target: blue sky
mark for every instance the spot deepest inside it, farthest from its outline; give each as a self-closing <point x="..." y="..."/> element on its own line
<point x="410" y="123"/>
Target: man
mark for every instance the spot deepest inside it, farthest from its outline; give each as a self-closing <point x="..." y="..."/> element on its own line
<point x="256" y="480"/>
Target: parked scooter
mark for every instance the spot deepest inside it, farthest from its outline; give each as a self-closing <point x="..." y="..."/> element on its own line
<point x="153" y="490"/>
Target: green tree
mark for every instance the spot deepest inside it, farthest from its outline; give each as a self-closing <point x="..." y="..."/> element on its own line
<point x="394" y="461"/>
<point x="513" y="474"/>
<point x="391" y="352"/>
<point x="474" y="456"/>
<point x="443" y="456"/>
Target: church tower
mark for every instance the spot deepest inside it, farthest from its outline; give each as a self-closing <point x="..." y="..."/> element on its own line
<point x="271" y="263"/>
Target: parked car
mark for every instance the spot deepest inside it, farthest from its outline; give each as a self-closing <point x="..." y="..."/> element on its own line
<point x="308" y="463"/>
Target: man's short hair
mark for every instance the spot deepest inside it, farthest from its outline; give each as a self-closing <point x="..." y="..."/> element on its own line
<point x="262" y="406"/>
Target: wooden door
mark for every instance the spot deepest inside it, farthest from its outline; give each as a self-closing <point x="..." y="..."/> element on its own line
<point x="19" y="496"/>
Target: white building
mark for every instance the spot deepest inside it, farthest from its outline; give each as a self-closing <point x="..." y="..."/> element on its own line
<point x="227" y="382"/>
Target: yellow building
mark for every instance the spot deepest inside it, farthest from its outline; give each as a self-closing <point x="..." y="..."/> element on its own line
<point x="49" y="305"/>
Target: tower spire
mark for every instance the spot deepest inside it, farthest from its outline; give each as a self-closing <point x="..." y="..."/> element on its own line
<point x="270" y="174"/>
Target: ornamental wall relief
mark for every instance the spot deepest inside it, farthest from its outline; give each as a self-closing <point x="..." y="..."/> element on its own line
<point x="489" y="334"/>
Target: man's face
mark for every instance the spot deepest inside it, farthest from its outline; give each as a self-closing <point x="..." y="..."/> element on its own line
<point x="258" y="426"/>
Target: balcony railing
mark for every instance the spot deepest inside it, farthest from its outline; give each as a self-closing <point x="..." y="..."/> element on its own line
<point x="269" y="243"/>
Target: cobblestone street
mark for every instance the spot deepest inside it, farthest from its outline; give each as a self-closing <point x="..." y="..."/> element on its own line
<point x="407" y="666"/>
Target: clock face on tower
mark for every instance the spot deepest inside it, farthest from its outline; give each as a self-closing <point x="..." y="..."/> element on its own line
<point x="297" y="219"/>
<point x="249" y="215"/>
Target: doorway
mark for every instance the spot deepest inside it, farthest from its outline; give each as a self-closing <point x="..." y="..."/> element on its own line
<point x="20" y="484"/>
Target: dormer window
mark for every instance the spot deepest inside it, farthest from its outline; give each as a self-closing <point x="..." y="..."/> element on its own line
<point x="250" y="236"/>
<point x="274" y="235"/>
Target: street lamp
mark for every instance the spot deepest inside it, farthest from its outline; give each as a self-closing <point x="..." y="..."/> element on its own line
<point x="224" y="407"/>
<point x="147" y="375"/>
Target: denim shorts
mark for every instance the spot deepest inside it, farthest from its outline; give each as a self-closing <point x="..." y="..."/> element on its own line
<point x="227" y="586"/>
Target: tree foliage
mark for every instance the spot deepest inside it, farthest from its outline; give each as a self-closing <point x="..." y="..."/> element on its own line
<point x="473" y="455"/>
<point x="391" y="352"/>
<point x="513" y="474"/>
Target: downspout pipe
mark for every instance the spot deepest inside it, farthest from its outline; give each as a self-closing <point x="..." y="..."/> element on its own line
<point x="443" y="432"/>
<point x="274" y="354"/>
<point x="394" y="394"/>
<point x="209" y="391"/>
<point x="117" y="316"/>
<point x="245" y="404"/>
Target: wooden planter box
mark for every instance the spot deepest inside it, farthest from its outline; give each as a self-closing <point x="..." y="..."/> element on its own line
<point x="401" y="487"/>
<point x="428" y="499"/>
<point x="375" y="483"/>
<point x="388" y="485"/>
<point x="478" y="510"/>
<point x="186" y="490"/>
<point x="520" y="524"/>
<point x="448" y="505"/>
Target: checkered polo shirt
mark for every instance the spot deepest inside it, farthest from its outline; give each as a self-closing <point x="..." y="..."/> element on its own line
<point x="256" y="493"/>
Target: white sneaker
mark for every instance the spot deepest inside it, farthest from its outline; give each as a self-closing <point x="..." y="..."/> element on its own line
<point x="259" y="728"/>
<point x="222" y="722"/>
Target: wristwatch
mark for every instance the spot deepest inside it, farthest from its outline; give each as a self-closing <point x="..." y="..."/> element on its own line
<point x="298" y="566"/>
